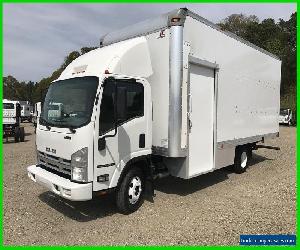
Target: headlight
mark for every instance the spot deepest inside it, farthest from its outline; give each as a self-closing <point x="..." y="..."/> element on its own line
<point x="79" y="165"/>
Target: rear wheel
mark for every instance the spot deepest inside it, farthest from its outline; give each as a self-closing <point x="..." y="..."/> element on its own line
<point x="242" y="158"/>
<point x="22" y="134"/>
<point x="130" y="194"/>
<point x="17" y="134"/>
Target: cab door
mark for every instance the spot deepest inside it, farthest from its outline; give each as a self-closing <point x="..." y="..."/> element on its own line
<point x="133" y="136"/>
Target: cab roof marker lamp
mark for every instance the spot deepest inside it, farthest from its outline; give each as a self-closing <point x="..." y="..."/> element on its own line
<point x="79" y="69"/>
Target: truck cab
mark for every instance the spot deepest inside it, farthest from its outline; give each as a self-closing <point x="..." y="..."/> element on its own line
<point x="92" y="131"/>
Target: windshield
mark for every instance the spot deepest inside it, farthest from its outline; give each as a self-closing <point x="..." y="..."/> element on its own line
<point x="69" y="103"/>
<point x="8" y="106"/>
<point x="284" y="112"/>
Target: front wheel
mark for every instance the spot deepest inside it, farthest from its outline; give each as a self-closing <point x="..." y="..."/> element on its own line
<point x="130" y="194"/>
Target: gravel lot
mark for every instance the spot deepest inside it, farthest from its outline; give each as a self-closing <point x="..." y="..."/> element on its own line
<point x="213" y="209"/>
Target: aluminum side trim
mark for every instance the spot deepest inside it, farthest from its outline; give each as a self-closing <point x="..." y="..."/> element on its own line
<point x="175" y="92"/>
<point x="242" y="141"/>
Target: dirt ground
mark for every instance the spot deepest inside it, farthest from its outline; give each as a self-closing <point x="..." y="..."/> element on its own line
<point x="213" y="209"/>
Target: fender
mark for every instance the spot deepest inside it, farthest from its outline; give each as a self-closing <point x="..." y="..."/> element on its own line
<point x="142" y="157"/>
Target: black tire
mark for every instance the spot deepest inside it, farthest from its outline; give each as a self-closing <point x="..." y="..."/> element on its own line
<point x="22" y="134"/>
<point x="17" y="134"/>
<point x="242" y="157"/>
<point x="125" y="202"/>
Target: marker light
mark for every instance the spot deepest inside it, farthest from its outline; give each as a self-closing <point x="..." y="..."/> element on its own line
<point x="175" y="19"/>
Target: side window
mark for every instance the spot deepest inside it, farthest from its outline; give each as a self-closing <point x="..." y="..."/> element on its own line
<point x="135" y="103"/>
<point x="107" y="118"/>
<point x="135" y="99"/>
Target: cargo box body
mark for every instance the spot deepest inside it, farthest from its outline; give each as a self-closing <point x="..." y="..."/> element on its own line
<point x="211" y="91"/>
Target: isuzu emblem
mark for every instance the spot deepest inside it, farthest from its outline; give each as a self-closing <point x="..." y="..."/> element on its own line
<point x="53" y="151"/>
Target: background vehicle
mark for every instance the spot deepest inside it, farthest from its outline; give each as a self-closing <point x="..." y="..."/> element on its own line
<point x="26" y="110"/>
<point x="36" y="114"/>
<point x="11" y="120"/>
<point x="285" y="116"/>
<point x="170" y="96"/>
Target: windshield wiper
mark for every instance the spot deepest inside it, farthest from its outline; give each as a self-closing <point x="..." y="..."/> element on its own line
<point x="71" y="128"/>
<point x="73" y="131"/>
<point x="44" y="122"/>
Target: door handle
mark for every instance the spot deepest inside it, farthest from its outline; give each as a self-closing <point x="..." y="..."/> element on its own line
<point x="190" y="121"/>
<point x="142" y="141"/>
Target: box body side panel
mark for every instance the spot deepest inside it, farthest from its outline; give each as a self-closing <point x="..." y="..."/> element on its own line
<point x="248" y="98"/>
<point x="158" y="43"/>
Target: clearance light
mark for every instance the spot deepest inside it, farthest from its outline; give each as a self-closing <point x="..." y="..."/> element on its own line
<point x="106" y="71"/>
<point x="175" y="19"/>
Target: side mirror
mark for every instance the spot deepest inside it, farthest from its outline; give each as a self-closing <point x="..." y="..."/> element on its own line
<point x="18" y="110"/>
<point x="121" y="103"/>
<point x="101" y="143"/>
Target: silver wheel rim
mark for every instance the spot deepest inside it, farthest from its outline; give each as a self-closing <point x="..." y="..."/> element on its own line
<point x="135" y="190"/>
<point x="244" y="160"/>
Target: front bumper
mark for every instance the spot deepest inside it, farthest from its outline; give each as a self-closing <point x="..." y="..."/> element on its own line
<point x="283" y="122"/>
<point x="61" y="186"/>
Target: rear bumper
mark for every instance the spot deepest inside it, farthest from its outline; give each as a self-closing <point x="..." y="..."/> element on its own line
<point x="59" y="185"/>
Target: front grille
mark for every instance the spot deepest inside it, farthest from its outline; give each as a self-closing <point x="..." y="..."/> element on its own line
<point x="66" y="176"/>
<point x="57" y="164"/>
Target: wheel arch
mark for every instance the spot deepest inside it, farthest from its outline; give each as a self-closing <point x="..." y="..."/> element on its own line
<point x="142" y="162"/>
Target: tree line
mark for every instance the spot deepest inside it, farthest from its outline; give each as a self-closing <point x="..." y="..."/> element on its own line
<point x="279" y="38"/>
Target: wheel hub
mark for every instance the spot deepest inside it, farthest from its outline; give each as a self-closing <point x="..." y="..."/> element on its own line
<point x="135" y="190"/>
<point x="244" y="160"/>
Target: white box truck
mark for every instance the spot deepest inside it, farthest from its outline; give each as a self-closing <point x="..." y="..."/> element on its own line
<point x="11" y="120"/>
<point x="26" y="109"/>
<point x="172" y="95"/>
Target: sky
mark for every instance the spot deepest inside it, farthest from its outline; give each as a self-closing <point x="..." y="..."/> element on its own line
<point x="37" y="37"/>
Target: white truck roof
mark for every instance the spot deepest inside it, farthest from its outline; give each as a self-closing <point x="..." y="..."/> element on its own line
<point x="130" y="57"/>
<point x="165" y="21"/>
<point x="9" y="101"/>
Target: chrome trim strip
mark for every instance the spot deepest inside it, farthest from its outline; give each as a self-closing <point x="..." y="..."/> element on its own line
<point x="175" y="92"/>
<point x="106" y="165"/>
<point x="251" y="139"/>
<point x="215" y="122"/>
